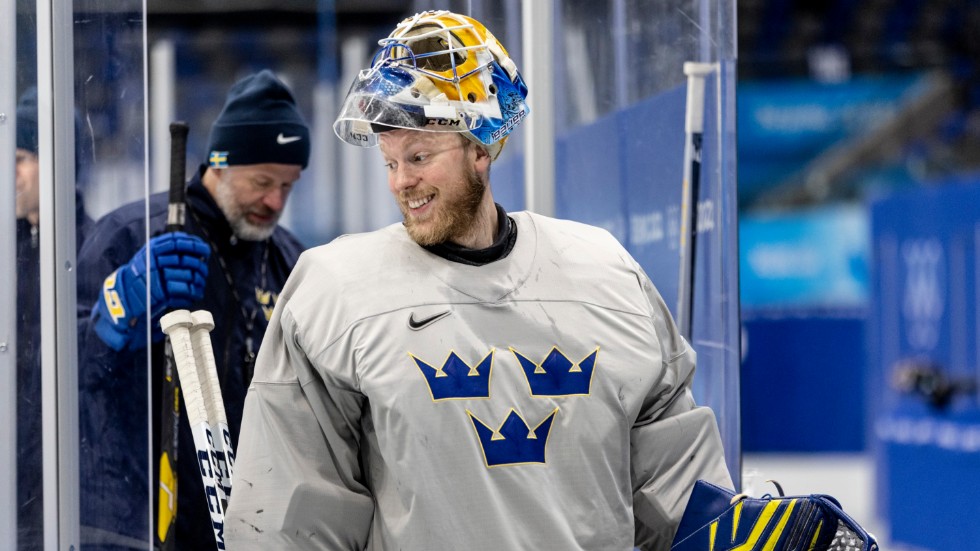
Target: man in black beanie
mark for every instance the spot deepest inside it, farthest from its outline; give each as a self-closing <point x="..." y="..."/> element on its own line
<point x="232" y="259"/>
<point x="27" y="205"/>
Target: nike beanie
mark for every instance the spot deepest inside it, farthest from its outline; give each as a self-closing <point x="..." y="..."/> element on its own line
<point x="259" y="123"/>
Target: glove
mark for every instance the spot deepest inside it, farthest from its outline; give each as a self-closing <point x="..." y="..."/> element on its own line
<point x="716" y="518"/>
<point x="178" y="271"/>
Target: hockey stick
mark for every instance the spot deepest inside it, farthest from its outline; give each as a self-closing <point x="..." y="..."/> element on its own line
<point x="176" y="209"/>
<point x="211" y="390"/>
<point x="694" y="130"/>
<point x="170" y="402"/>
<point x="177" y="325"/>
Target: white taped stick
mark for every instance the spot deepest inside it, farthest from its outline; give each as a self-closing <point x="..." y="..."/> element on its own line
<point x="696" y="73"/>
<point x="207" y="370"/>
<point x="177" y="325"/>
<point x="690" y="193"/>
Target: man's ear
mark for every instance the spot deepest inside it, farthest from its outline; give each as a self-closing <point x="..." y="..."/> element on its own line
<point x="482" y="163"/>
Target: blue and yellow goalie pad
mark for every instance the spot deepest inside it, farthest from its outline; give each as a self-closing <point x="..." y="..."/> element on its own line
<point x="717" y="519"/>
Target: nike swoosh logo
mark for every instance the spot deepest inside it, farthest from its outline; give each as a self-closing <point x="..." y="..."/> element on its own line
<point x="415" y="325"/>
<point x="283" y="140"/>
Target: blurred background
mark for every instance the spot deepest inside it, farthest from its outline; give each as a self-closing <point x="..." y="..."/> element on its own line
<point x="858" y="134"/>
<point x="837" y="303"/>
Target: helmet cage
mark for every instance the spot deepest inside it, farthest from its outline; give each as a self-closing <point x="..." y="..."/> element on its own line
<point x="401" y="49"/>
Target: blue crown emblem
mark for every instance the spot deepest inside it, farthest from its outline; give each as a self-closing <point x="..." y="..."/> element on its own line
<point x="514" y="443"/>
<point x="556" y="375"/>
<point x="456" y="379"/>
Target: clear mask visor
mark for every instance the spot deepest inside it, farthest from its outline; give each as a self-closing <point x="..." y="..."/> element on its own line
<point x="391" y="95"/>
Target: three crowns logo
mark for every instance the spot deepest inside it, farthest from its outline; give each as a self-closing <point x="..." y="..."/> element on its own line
<point x="514" y="443"/>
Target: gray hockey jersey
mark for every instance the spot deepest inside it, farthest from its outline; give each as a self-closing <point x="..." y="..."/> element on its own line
<point x="402" y="401"/>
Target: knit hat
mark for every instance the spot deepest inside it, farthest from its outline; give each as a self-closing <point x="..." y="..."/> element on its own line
<point x="27" y="132"/>
<point x="27" y="121"/>
<point x="259" y="123"/>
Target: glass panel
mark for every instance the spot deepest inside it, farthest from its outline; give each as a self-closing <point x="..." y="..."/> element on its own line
<point x="9" y="325"/>
<point x="115" y="473"/>
<point x="244" y="273"/>
<point x="29" y="511"/>
<point x="620" y="104"/>
<point x="620" y="101"/>
<point x="246" y="269"/>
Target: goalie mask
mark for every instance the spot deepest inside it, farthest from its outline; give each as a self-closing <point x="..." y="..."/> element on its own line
<point x="437" y="71"/>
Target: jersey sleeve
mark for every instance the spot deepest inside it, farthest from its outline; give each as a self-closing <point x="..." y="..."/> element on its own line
<point x="673" y="442"/>
<point x="298" y="482"/>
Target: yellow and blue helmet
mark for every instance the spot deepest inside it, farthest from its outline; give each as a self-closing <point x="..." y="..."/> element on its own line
<point x="437" y="71"/>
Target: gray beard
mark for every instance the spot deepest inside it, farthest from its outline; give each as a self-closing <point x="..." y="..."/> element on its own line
<point x="242" y="228"/>
<point x="247" y="231"/>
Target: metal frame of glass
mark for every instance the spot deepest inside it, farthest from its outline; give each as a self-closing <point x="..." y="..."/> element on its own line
<point x="59" y="378"/>
<point x="8" y="274"/>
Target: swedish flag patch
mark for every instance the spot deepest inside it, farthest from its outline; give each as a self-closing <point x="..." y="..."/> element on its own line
<point x="218" y="159"/>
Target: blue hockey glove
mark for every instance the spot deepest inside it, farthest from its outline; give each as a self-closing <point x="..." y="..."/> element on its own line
<point x="178" y="271"/>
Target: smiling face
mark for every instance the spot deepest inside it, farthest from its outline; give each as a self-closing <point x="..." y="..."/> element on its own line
<point x="438" y="180"/>
<point x="252" y="197"/>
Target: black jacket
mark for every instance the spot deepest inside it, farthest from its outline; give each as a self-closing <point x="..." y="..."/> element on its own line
<point x="29" y="480"/>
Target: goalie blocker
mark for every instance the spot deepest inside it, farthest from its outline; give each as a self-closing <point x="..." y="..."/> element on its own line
<point x="717" y="519"/>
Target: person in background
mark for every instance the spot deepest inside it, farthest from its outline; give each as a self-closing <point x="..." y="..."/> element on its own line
<point x="469" y="378"/>
<point x="27" y="206"/>
<point x="232" y="259"/>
